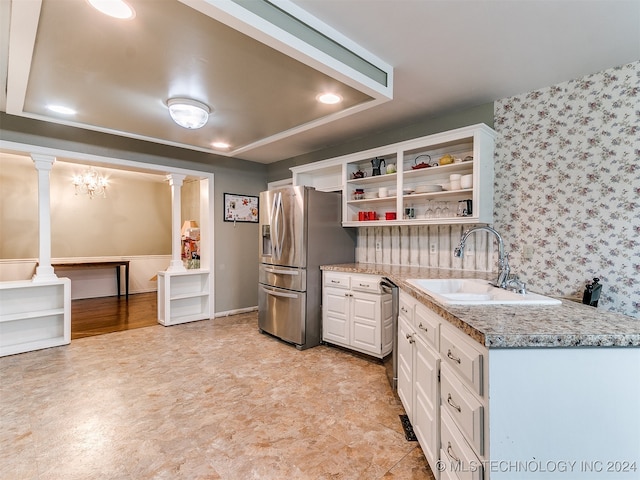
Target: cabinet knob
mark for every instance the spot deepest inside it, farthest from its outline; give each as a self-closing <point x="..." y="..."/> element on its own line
<point x="410" y="338"/>
<point x="423" y="328"/>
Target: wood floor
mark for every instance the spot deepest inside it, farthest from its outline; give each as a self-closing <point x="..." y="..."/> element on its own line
<point x="96" y="316"/>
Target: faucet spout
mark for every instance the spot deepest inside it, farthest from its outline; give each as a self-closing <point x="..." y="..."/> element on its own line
<point x="503" y="258"/>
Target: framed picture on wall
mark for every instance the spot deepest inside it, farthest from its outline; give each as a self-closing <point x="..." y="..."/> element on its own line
<point x="240" y="208"/>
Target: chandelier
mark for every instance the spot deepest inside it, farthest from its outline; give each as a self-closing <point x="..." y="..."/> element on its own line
<point x="90" y="183"/>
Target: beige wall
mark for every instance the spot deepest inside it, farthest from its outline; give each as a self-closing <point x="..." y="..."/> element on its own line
<point x="235" y="248"/>
<point x="134" y="219"/>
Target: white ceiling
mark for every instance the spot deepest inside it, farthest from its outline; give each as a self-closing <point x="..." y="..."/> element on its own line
<point x="446" y="56"/>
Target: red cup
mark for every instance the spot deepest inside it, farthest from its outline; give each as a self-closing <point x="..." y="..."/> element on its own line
<point x="362" y="216"/>
<point x="390" y="215"/>
<point x="372" y="215"/>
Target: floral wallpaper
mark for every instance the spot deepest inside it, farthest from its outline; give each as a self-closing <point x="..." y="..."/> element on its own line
<point x="567" y="186"/>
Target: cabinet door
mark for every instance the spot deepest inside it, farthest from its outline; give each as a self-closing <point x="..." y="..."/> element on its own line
<point x="335" y="316"/>
<point x="366" y="322"/>
<point x="426" y="399"/>
<point x="405" y="365"/>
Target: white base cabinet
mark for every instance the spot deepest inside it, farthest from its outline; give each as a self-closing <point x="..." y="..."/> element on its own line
<point x="183" y="297"/>
<point x="418" y="370"/>
<point x="356" y="314"/>
<point x="34" y="315"/>
<point x="516" y="413"/>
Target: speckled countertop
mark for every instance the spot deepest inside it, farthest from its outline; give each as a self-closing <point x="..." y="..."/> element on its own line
<point x="504" y="326"/>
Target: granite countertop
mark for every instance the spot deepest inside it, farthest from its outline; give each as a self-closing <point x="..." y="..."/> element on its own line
<point x="570" y="324"/>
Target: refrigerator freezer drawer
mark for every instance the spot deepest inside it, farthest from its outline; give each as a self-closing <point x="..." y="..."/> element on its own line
<point x="282" y="313"/>
<point x="283" y="277"/>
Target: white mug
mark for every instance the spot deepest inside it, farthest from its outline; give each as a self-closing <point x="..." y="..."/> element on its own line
<point x="383" y="192"/>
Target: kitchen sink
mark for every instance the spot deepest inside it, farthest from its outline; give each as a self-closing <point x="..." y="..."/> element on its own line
<point x="473" y="291"/>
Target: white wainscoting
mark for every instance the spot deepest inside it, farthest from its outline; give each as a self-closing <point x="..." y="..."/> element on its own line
<point x="94" y="282"/>
<point x="424" y="246"/>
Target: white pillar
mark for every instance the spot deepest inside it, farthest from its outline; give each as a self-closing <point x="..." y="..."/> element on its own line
<point x="44" y="270"/>
<point x="176" y="264"/>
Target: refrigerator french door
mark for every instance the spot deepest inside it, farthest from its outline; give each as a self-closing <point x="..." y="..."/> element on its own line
<point x="300" y="229"/>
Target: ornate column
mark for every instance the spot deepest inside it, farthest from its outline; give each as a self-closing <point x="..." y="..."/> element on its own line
<point x="44" y="270"/>
<point x="176" y="265"/>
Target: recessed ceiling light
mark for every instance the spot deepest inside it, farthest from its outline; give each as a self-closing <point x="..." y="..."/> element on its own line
<point x="220" y="145"/>
<point x="114" y="8"/>
<point x="61" y="109"/>
<point x="188" y="113"/>
<point x="329" y="98"/>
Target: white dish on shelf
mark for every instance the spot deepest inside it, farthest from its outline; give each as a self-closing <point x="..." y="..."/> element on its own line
<point x="428" y="188"/>
<point x="408" y="191"/>
<point x="370" y="195"/>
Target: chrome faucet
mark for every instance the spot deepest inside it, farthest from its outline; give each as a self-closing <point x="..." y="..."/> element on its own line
<point x="505" y="280"/>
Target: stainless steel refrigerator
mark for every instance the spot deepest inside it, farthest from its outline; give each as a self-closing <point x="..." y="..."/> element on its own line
<point x="300" y="229"/>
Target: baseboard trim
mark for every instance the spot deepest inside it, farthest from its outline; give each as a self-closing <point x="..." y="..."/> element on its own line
<point x="235" y="311"/>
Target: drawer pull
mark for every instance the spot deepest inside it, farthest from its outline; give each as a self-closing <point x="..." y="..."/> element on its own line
<point x="423" y="328"/>
<point x="450" y="402"/>
<point x="336" y="281"/>
<point x="365" y="285"/>
<point x="410" y="338"/>
<point x="450" y="452"/>
<point x="452" y="357"/>
<point x="404" y="310"/>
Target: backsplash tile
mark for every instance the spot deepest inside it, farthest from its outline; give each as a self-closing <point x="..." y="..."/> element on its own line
<point x="567" y="185"/>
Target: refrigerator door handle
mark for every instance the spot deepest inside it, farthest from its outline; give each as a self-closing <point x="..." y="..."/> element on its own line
<point x="281" y="272"/>
<point x="275" y="221"/>
<point x="272" y="222"/>
<point x="279" y="294"/>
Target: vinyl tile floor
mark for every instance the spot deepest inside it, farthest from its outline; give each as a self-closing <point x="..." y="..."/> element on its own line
<point x="205" y="400"/>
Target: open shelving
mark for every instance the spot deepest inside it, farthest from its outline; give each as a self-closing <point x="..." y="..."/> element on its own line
<point x="34" y="315"/>
<point x="183" y="297"/>
<point x="472" y="146"/>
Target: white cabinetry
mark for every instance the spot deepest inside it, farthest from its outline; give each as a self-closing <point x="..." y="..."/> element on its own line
<point x="183" y="297"/>
<point x="418" y="369"/>
<point x="410" y="187"/>
<point x="34" y="315"/>
<point x="463" y="403"/>
<point x="516" y="413"/>
<point x="356" y="313"/>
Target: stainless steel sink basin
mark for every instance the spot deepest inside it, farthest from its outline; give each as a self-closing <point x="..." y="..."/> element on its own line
<point x="471" y="291"/>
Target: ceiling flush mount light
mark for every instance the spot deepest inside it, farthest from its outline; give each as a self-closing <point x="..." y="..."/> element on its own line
<point x="220" y="145"/>
<point x="329" y="98"/>
<point x="188" y="113"/>
<point x="114" y="8"/>
<point x="90" y="183"/>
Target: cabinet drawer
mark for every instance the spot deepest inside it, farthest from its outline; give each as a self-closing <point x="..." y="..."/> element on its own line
<point x="366" y="283"/>
<point x="427" y="324"/>
<point x="337" y="280"/>
<point x="458" y="457"/>
<point x="464" y="408"/>
<point x="405" y="306"/>
<point x="463" y="358"/>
